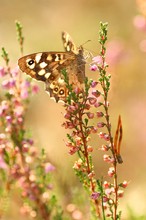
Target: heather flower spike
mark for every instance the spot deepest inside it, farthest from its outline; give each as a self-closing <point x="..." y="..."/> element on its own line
<point x="23" y="168"/>
<point x="5" y="56"/>
<point x="20" y="35"/>
<point x="79" y="117"/>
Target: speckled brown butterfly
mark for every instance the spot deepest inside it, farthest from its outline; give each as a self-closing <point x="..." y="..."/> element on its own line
<point x="48" y="66"/>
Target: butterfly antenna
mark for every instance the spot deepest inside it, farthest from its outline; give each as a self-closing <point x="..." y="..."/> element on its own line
<point x="85" y="42"/>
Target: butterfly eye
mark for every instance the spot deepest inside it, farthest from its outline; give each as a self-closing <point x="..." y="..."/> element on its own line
<point x="55" y="90"/>
<point x="30" y="62"/>
<point x="61" y="92"/>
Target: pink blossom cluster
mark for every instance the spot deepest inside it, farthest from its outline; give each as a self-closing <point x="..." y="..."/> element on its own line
<point x="19" y="158"/>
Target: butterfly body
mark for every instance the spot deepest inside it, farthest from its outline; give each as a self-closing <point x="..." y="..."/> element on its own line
<point x="48" y="66"/>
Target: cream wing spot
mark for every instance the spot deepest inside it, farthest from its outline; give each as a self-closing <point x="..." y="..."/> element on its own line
<point x="68" y="48"/>
<point x="57" y="58"/>
<point x="52" y="85"/>
<point x="41" y="72"/>
<point x="49" y="57"/>
<point x="61" y="81"/>
<point x="38" y="57"/>
<point x="47" y="75"/>
<point x="43" y="65"/>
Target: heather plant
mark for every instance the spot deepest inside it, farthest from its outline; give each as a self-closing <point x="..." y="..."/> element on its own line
<point x="25" y="167"/>
<point x="87" y="113"/>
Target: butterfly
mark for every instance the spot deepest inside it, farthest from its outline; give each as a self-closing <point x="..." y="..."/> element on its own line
<point x="48" y="66"/>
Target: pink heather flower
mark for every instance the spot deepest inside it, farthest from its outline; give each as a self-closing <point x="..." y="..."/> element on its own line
<point x="104" y="148"/>
<point x="25" y="84"/>
<point x="8" y="83"/>
<point x="100" y="124"/>
<point x="109" y="191"/>
<point x="95" y="195"/>
<point x="93" y="67"/>
<point x="25" y="147"/>
<point x="24" y="94"/>
<point x="49" y="168"/>
<point x="9" y="119"/>
<point x="124" y="184"/>
<point x="30" y="141"/>
<point x="78" y="141"/>
<point x="120" y="193"/>
<point x="90" y="115"/>
<point x="99" y="114"/>
<point x="67" y="115"/>
<point x="35" y="89"/>
<point x="18" y="110"/>
<point x="92" y="100"/>
<point x="69" y="144"/>
<point x="97" y="104"/>
<point x="106" y="137"/>
<point x="77" y="90"/>
<point x="71" y="108"/>
<point x="68" y="125"/>
<point x="91" y="175"/>
<point x="139" y="22"/>
<point x="77" y="164"/>
<point x="101" y="135"/>
<point x="73" y="150"/>
<point x="2" y="71"/>
<point x="107" y="158"/>
<point x="94" y="84"/>
<point x="98" y="60"/>
<point x="105" y="199"/>
<point x="96" y="93"/>
<point x="19" y="120"/>
<point x="111" y="172"/>
<point x="106" y="185"/>
<point x="15" y="71"/>
<point x="89" y="148"/>
<point x="3" y="165"/>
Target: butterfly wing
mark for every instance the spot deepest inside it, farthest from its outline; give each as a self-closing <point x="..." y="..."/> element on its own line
<point x="48" y="66"/>
<point x="78" y="66"/>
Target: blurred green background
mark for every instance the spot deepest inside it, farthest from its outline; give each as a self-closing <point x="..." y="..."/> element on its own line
<point x="43" y="21"/>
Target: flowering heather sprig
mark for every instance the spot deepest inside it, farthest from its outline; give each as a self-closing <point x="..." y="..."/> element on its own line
<point x="20" y="162"/>
<point x="5" y="56"/>
<point x="112" y="191"/>
<point x="21" y="165"/>
<point x="80" y="118"/>
<point x="20" y="35"/>
<point x="77" y="118"/>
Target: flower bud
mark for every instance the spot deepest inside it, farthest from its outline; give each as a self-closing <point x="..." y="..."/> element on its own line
<point x="93" y="67"/>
